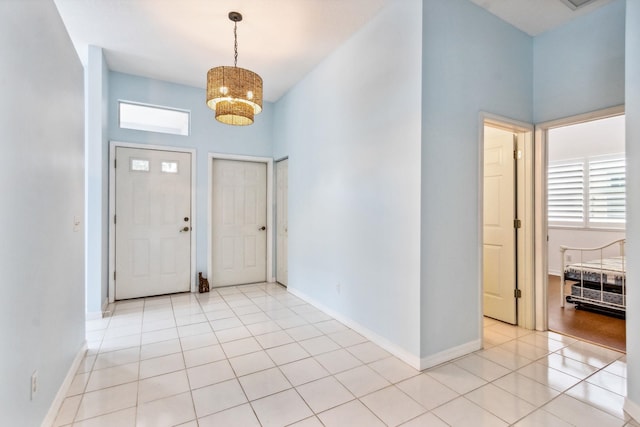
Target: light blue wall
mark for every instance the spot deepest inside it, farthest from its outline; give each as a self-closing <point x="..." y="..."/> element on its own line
<point x="41" y="182"/>
<point x="351" y="130"/>
<point x="207" y="135"/>
<point x="96" y="181"/>
<point x="633" y="198"/>
<point x="472" y="62"/>
<point x="579" y="67"/>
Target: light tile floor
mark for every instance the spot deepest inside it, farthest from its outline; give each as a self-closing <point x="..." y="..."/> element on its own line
<point x="256" y="355"/>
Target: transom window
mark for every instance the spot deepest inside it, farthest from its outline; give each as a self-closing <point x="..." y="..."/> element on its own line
<point x="153" y="118"/>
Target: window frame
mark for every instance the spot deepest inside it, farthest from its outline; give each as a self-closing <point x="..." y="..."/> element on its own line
<point x="587" y="223"/>
<point x="131" y="125"/>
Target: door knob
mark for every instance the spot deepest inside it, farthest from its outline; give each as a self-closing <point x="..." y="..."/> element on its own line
<point x="262" y="228"/>
<point x="184" y="230"/>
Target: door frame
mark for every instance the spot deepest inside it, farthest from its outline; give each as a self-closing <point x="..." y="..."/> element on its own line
<point x="525" y="200"/>
<point x="112" y="207"/>
<point x="275" y="219"/>
<point x="270" y="277"/>
<point x="541" y="216"/>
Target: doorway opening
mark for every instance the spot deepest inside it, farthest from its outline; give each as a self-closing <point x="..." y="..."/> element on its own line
<point x="585" y="195"/>
<point x="506" y="221"/>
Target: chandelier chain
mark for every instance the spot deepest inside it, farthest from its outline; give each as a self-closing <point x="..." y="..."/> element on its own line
<point x="235" y="45"/>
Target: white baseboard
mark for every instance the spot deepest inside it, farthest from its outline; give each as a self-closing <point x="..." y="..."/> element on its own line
<point x="392" y="348"/>
<point x="94" y="315"/>
<point x="632" y="408"/>
<point x="450" y="354"/>
<point x="62" y="391"/>
<point x="554" y="273"/>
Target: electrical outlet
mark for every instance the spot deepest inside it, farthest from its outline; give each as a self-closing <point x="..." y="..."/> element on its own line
<point x="338" y="288"/>
<point x="34" y="384"/>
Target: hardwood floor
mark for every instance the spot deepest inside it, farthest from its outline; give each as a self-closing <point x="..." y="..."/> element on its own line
<point x="597" y="328"/>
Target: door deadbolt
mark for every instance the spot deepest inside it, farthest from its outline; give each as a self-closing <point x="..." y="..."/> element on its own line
<point x="262" y="228"/>
<point x="184" y="230"/>
<point x="186" y="219"/>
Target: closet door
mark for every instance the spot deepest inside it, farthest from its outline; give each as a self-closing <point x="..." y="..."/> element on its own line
<point x="239" y="222"/>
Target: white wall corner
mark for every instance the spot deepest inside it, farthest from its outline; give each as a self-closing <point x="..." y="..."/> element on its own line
<point x="94" y="315"/>
<point x="64" y="388"/>
<point x="399" y="352"/>
<point x="450" y="354"/>
<point x="632" y="408"/>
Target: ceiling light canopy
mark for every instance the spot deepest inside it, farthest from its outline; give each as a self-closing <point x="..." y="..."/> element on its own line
<point x="234" y="93"/>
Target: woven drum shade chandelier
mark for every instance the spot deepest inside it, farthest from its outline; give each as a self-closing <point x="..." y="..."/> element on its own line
<point x="234" y="93"/>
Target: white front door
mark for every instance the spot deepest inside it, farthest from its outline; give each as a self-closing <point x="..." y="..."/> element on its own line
<point x="152" y="223"/>
<point x="239" y="222"/>
<point x="282" y="220"/>
<point x="499" y="248"/>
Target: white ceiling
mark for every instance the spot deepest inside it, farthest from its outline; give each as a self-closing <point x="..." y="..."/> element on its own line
<point x="534" y="17"/>
<point x="282" y="40"/>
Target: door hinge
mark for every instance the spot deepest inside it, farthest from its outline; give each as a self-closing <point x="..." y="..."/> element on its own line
<point x="517" y="154"/>
<point x="114" y="219"/>
<point x="115" y="163"/>
<point x="114" y="275"/>
<point x="517" y="223"/>
<point x="517" y="293"/>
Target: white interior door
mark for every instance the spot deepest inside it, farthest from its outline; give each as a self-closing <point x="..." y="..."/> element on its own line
<point x="499" y="249"/>
<point x="153" y="222"/>
<point x="239" y="222"/>
<point x="282" y="221"/>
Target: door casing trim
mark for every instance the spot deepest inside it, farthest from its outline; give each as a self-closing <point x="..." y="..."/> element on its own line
<point x="275" y="219"/>
<point x="112" y="207"/>
<point x="542" y="225"/>
<point x="269" y="203"/>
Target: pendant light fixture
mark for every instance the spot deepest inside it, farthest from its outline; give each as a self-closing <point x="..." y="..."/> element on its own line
<point x="234" y="93"/>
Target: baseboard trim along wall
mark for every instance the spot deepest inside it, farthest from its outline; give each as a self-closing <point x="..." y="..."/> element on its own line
<point x="450" y="354"/>
<point x="95" y="315"/>
<point x="64" y="388"/>
<point x="632" y="409"/>
<point x="392" y="348"/>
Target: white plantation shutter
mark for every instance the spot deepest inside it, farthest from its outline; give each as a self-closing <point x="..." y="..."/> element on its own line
<point x="566" y="193"/>
<point x="587" y="192"/>
<point x="607" y="187"/>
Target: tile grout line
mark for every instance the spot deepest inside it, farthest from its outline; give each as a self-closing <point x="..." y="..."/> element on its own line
<point x="281" y="300"/>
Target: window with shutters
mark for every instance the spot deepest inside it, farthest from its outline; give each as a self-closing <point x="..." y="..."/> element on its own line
<point x="587" y="193"/>
<point x="566" y="193"/>
<point x="607" y="188"/>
